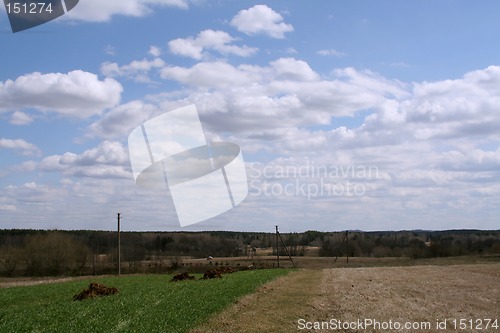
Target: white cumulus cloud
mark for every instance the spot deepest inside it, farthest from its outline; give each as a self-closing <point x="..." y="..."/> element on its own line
<point x="121" y="120"/>
<point x="286" y="92"/>
<point x="219" y="41"/>
<point x="20" y="118"/>
<point x="292" y="69"/>
<point x="75" y="94"/>
<point x="331" y="52"/>
<point x="155" y="51"/>
<point x="208" y="74"/>
<point x="102" y="11"/>
<point x="137" y="69"/>
<point x="108" y="160"/>
<point x="261" y="19"/>
<point x="25" y="147"/>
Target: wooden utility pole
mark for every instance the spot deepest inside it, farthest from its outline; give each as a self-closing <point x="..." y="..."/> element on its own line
<point x="286" y="250"/>
<point x="119" y="247"/>
<point x="278" y="239"/>
<point x="347" y="241"/>
<point x="277" y="247"/>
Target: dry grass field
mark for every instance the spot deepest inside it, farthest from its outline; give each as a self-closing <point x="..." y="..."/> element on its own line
<point x="417" y="295"/>
<point x="412" y="294"/>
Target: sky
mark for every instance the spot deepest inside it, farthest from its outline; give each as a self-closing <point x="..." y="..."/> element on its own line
<point x="359" y="115"/>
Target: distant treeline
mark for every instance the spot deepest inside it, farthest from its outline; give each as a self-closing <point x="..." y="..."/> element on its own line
<point x="55" y="252"/>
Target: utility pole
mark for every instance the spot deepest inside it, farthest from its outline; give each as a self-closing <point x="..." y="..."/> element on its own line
<point x="347" y="241"/>
<point x="286" y="250"/>
<point x="119" y="247"/>
<point x="277" y="247"/>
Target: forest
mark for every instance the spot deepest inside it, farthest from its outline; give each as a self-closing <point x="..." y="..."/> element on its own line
<point x="58" y="252"/>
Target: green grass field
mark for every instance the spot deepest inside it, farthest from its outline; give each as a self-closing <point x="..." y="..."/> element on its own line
<point x="147" y="303"/>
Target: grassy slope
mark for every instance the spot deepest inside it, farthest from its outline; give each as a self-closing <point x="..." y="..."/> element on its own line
<point x="148" y="303"/>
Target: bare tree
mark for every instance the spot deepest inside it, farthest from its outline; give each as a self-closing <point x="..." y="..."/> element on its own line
<point x="11" y="257"/>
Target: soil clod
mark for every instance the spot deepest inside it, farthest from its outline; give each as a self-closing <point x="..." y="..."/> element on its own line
<point x="95" y="289"/>
<point x="217" y="273"/>
<point x="182" y="277"/>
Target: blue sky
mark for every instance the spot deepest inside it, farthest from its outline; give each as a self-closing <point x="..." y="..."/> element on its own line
<point x="398" y="100"/>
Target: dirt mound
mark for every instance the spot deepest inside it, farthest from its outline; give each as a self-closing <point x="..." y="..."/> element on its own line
<point x="217" y="273"/>
<point x="211" y="274"/>
<point x="94" y="289"/>
<point x="182" y="277"/>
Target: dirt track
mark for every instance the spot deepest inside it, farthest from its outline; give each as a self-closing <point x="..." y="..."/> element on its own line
<point x="17" y="282"/>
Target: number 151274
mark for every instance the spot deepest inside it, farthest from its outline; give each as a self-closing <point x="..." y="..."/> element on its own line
<point x="28" y="8"/>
